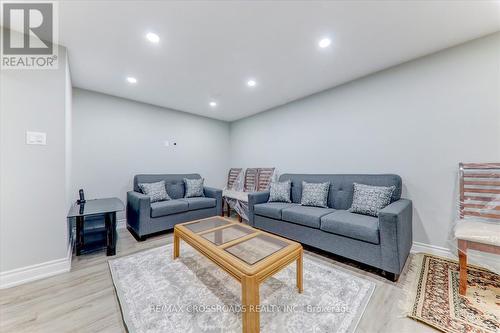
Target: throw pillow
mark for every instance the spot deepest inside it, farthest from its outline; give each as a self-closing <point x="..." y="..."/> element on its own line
<point x="280" y="192"/>
<point x="369" y="200"/>
<point x="315" y="194"/>
<point x="156" y="191"/>
<point x="194" y="187"/>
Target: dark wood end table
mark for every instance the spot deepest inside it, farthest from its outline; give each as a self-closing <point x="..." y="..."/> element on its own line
<point x="97" y="207"/>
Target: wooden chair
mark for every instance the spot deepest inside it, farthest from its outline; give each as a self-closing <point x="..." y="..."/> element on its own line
<point x="256" y="179"/>
<point x="231" y="179"/>
<point x="249" y="183"/>
<point x="479" y="225"/>
<point x="264" y="178"/>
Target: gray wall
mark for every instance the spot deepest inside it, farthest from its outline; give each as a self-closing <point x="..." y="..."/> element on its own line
<point x="115" y="138"/>
<point x="33" y="202"/>
<point x="418" y="120"/>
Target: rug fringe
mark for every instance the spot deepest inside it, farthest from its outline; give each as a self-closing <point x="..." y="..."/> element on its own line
<point x="410" y="284"/>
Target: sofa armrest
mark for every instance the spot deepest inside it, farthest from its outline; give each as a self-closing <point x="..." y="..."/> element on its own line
<point x="138" y="209"/>
<point x="215" y="193"/>
<point x="253" y="199"/>
<point x="395" y="223"/>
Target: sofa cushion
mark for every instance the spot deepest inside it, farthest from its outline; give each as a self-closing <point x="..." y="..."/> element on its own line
<point x="200" y="203"/>
<point x="315" y="194"/>
<point x="304" y="215"/>
<point x="271" y="209"/>
<point x="175" y="189"/>
<point x="194" y="187"/>
<point x="170" y="207"/>
<point x="155" y="191"/>
<point x="279" y="192"/>
<point x="369" y="200"/>
<point x="352" y="225"/>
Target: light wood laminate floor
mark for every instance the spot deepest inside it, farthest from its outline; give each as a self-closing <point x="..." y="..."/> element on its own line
<point x="84" y="300"/>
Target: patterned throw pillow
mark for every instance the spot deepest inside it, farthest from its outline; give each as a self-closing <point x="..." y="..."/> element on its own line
<point x="369" y="200"/>
<point x="315" y="194"/>
<point x="280" y="192"/>
<point x="156" y="191"/>
<point x="194" y="187"/>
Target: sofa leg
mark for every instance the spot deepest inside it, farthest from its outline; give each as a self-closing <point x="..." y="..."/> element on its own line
<point x="391" y="276"/>
<point x="135" y="235"/>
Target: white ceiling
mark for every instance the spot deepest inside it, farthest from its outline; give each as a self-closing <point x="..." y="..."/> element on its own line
<point x="208" y="50"/>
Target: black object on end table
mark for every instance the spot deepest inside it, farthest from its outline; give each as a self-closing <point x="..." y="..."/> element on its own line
<point x="97" y="207"/>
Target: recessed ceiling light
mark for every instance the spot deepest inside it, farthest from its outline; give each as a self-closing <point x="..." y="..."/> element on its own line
<point x="325" y="42"/>
<point x="131" y="80"/>
<point x="213" y="104"/>
<point x="152" y="37"/>
<point x="251" y="83"/>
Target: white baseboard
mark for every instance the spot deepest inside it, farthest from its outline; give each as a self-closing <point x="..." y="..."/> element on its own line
<point x="26" y="274"/>
<point x="432" y="249"/>
<point x="121" y="224"/>
<point x="482" y="259"/>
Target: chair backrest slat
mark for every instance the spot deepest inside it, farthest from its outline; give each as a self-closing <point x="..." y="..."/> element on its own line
<point x="232" y="176"/>
<point x="265" y="176"/>
<point x="251" y="179"/>
<point x="480" y="190"/>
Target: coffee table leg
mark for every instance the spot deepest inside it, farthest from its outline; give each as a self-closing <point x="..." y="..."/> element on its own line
<point x="250" y="300"/>
<point x="176" y="245"/>
<point x="300" y="282"/>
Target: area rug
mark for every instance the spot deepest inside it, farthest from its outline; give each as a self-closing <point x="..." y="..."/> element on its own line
<point x="191" y="294"/>
<point x="435" y="300"/>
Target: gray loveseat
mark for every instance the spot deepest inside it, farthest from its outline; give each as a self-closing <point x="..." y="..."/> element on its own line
<point x="145" y="218"/>
<point x="382" y="242"/>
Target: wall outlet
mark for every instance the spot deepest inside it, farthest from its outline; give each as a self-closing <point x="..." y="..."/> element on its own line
<point x="36" y="138"/>
<point x="167" y="143"/>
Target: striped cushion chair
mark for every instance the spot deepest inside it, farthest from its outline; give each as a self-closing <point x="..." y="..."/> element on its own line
<point x="478" y="227"/>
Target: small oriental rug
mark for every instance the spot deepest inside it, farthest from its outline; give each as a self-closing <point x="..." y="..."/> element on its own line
<point x="435" y="300"/>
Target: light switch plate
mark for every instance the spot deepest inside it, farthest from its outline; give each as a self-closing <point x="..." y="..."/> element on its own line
<point x="36" y="138"/>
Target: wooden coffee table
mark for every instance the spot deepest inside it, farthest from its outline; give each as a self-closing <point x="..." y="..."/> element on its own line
<point x="247" y="254"/>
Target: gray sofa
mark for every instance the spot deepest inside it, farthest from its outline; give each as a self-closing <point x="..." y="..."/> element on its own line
<point x="145" y="218"/>
<point x="382" y="242"/>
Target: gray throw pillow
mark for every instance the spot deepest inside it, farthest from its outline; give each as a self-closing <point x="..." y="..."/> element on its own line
<point x="280" y="192"/>
<point x="315" y="194"/>
<point x="194" y="187"/>
<point x="369" y="200"/>
<point x="155" y="191"/>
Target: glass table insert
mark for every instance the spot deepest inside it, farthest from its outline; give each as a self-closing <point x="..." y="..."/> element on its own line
<point x="257" y="248"/>
<point x="207" y="224"/>
<point x="252" y="248"/>
<point x="224" y="235"/>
